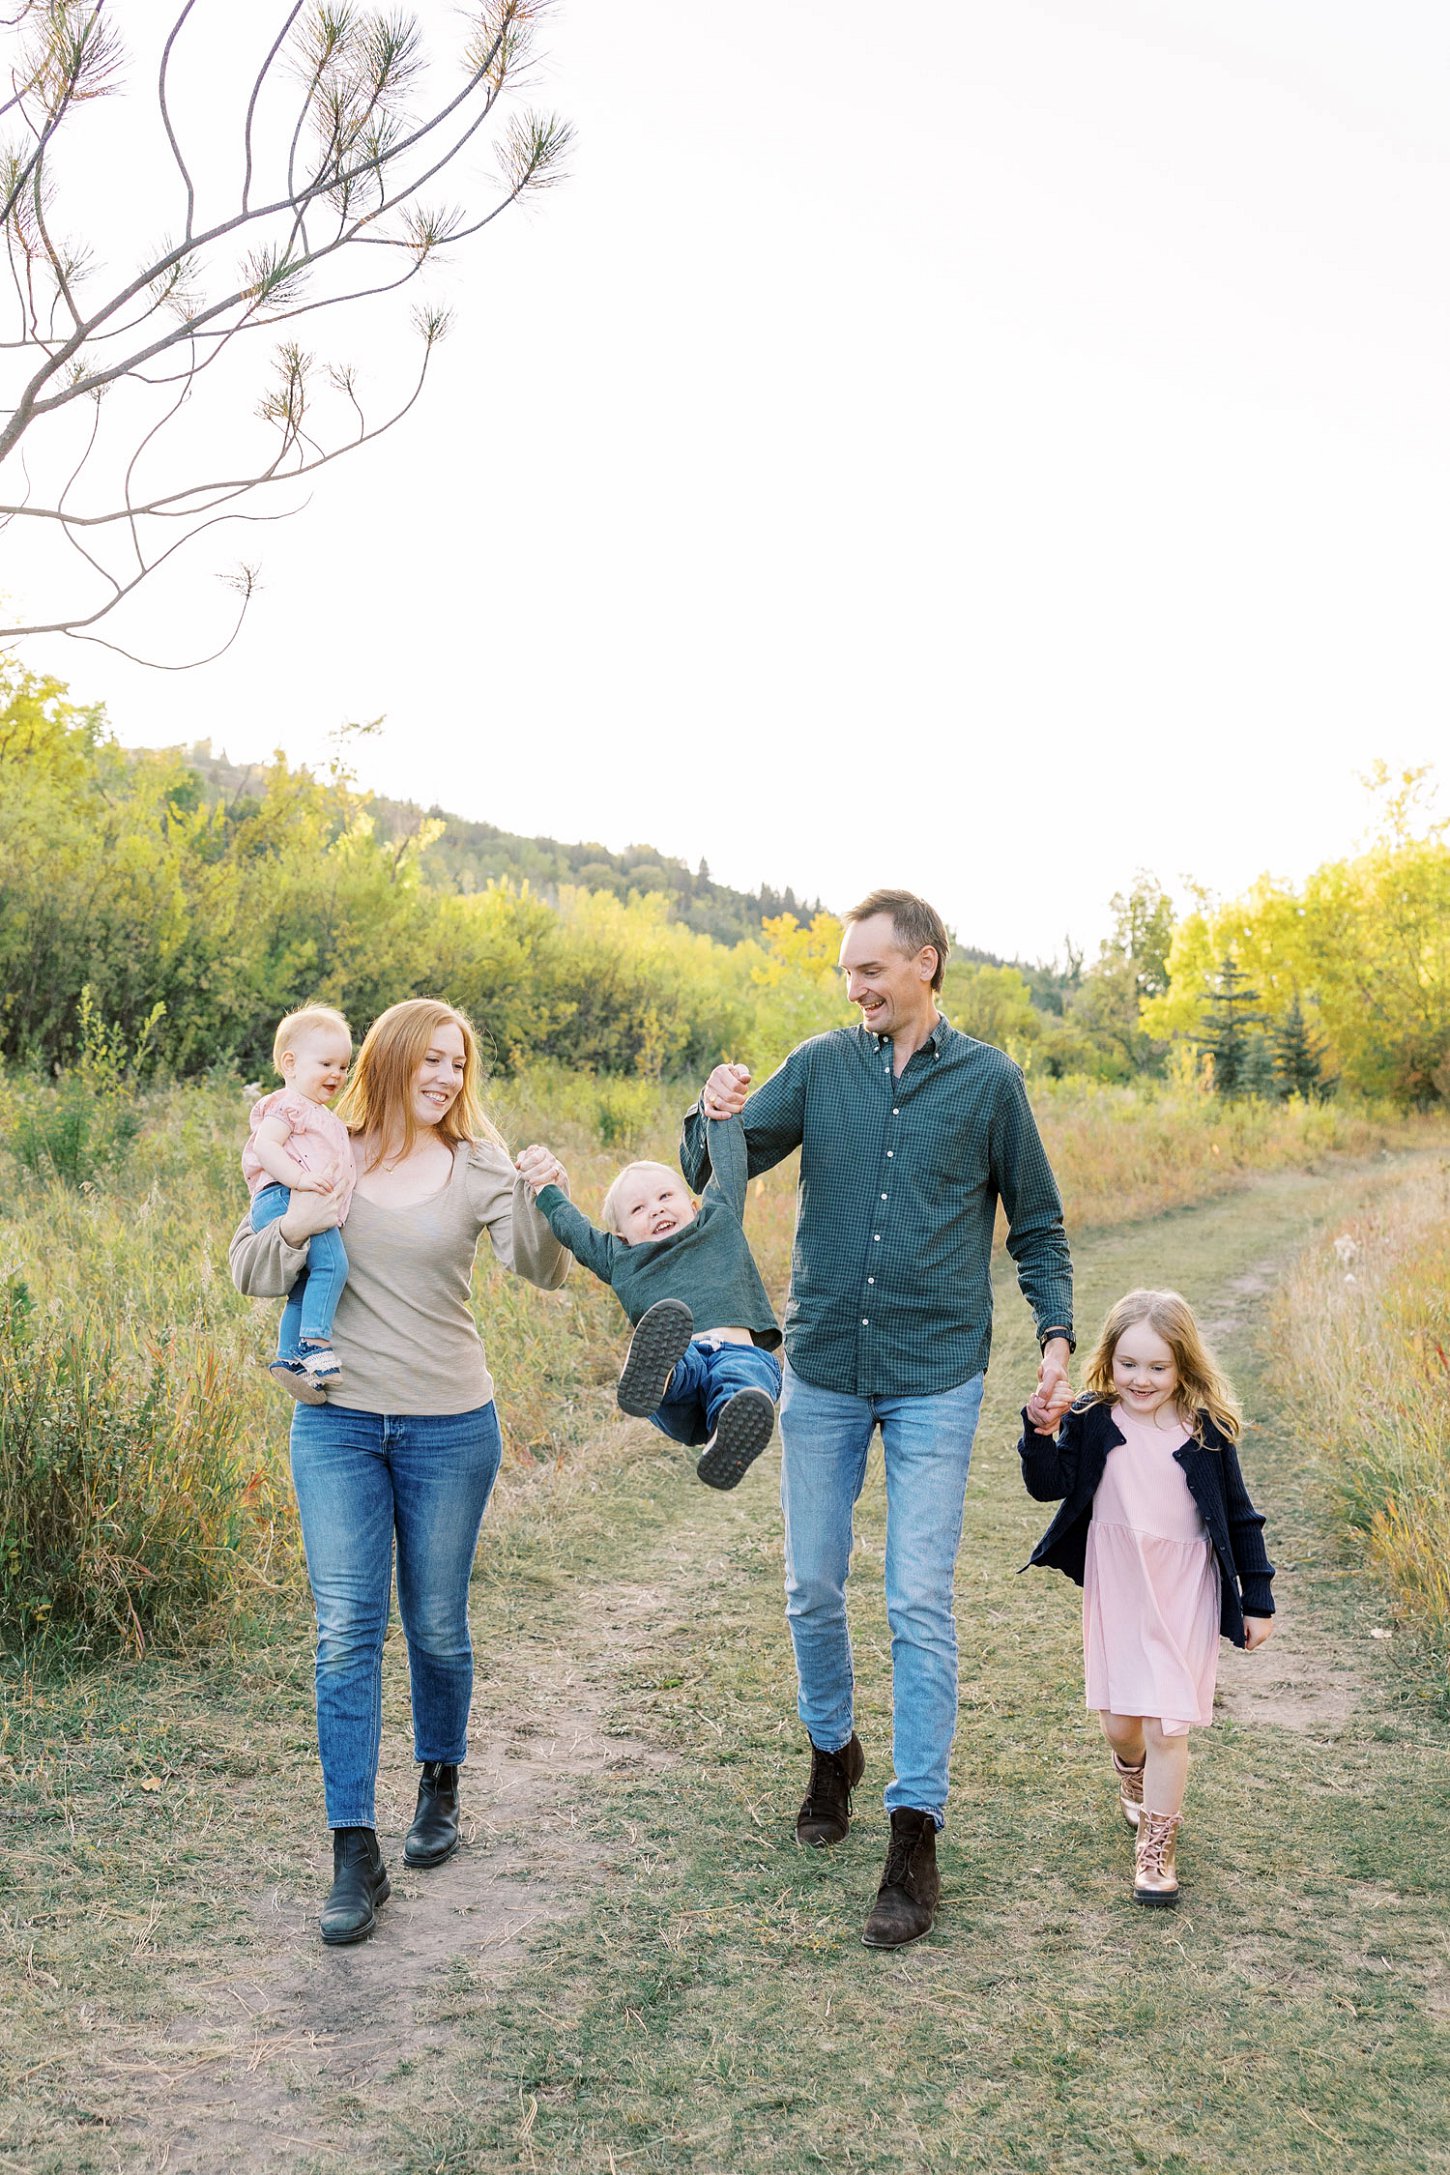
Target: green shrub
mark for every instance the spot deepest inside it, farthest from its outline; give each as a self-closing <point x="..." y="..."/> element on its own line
<point x="128" y="1506"/>
<point x="87" y="1124"/>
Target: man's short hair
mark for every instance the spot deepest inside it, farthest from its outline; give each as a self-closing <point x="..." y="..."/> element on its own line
<point x="915" y="923"/>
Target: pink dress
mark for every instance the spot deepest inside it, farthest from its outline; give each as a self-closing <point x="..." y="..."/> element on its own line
<point x="1150" y="1600"/>
<point x="318" y="1141"/>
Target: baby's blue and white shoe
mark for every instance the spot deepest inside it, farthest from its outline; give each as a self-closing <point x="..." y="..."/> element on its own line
<point x="319" y="1364"/>
<point x="288" y="1373"/>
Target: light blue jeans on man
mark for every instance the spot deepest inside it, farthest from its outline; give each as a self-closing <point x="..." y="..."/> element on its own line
<point x="362" y="1479"/>
<point x="927" y="1446"/>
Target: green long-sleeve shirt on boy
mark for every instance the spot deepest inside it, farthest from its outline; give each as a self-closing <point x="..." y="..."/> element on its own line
<point x="708" y="1263"/>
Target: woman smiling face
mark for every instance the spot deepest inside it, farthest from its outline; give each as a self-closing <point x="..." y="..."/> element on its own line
<point x="438" y="1079"/>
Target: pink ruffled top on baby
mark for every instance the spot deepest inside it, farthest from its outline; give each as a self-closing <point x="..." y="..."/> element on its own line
<point x="318" y="1142"/>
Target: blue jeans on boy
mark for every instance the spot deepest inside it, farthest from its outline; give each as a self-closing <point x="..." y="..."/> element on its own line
<point x="312" y="1301"/>
<point x="711" y="1372"/>
<point x="361" y="1479"/>
<point x="927" y="1446"/>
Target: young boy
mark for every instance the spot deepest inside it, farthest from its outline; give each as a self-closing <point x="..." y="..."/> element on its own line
<point x="672" y="1266"/>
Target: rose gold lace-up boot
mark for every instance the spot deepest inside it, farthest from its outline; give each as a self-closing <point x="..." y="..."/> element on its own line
<point x="1155" y="1876"/>
<point x="1130" y="1789"/>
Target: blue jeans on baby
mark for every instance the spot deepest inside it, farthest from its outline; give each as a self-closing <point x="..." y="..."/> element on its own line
<point x="363" y="1478"/>
<point x="711" y="1372"/>
<point x="312" y="1301"/>
<point x="927" y="1446"/>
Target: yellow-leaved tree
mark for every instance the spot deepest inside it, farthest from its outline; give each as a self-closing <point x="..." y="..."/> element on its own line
<point x="1363" y="947"/>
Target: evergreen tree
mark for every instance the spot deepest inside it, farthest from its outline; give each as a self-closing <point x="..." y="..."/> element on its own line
<point x="1229" y="1020"/>
<point x="1299" y="1055"/>
<point x="1258" y="1074"/>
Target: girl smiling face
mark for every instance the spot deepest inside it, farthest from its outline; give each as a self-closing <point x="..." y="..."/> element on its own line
<point x="1145" y="1374"/>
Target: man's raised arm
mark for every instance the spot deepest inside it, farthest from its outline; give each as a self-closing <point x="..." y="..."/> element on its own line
<point x="773" y="1119"/>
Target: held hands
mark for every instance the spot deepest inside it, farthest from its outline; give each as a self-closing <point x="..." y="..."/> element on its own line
<point x="725" y="1091"/>
<point x="1053" y="1394"/>
<point x="539" y="1167"/>
<point x="1257" y="1629"/>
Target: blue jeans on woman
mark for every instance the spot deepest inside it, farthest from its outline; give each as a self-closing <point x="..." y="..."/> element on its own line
<point x="927" y="1446"/>
<point x="362" y="1479"/>
<point x="312" y="1301"/>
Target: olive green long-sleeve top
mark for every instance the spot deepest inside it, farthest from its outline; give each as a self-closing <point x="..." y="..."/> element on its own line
<point x="707" y="1263"/>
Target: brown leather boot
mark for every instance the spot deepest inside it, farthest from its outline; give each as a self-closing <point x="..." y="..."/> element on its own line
<point x="1130" y="1789"/>
<point x="825" y="1812"/>
<point x="910" y="1887"/>
<point x="1155" y="1875"/>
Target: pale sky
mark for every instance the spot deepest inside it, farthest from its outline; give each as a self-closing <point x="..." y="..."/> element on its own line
<point x="992" y="453"/>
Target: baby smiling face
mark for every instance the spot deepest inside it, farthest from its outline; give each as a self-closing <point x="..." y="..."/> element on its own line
<point x="649" y="1202"/>
<point x="316" y="1063"/>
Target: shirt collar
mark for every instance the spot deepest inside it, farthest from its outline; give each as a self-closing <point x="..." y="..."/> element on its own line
<point x="935" y="1041"/>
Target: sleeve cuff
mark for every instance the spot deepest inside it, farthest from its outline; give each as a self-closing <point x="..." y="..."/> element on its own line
<point x="550" y="1196"/>
<point x="1045" y="1336"/>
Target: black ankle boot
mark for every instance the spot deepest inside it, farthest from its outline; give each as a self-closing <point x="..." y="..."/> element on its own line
<point x="434" y="1833"/>
<point x="359" y="1885"/>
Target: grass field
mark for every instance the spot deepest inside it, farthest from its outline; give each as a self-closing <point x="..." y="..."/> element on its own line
<point x="115" y="1303"/>
<point x="631" y="1967"/>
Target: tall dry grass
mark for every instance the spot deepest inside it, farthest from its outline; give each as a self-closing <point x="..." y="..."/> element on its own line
<point x="133" y="1265"/>
<point x="1364" y="1331"/>
<point x="1124" y="1153"/>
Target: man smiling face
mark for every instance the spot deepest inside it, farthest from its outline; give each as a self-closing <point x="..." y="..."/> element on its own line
<point x="891" y="986"/>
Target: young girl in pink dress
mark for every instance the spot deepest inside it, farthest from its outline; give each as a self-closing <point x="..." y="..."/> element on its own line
<point x="1157" y="1528"/>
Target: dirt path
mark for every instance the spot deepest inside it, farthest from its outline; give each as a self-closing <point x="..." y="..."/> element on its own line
<point x="253" y="2073"/>
<point x="631" y="1968"/>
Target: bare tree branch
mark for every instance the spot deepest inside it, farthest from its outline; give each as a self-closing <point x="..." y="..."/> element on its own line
<point x="340" y="132"/>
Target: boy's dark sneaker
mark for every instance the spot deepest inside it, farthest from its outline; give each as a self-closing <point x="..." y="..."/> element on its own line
<point x="661" y="1338"/>
<point x="746" y="1422"/>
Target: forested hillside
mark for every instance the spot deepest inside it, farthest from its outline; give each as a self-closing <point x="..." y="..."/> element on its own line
<point x="197" y="902"/>
<point x="465" y="855"/>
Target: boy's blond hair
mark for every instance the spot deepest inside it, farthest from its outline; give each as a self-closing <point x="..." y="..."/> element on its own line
<point x="611" y="1198"/>
<point x="304" y="1022"/>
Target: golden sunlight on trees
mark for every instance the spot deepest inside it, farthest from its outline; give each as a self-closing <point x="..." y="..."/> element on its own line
<point x="1362" y="949"/>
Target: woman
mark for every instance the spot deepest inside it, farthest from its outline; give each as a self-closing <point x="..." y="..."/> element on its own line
<point x="407" y="1443"/>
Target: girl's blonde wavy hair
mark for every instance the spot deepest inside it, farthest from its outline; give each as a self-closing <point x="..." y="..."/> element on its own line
<point x="378" y="1098"/>
<point x="1201" y="1389"/>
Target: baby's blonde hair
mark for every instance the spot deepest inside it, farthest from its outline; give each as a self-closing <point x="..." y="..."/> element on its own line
<point x="1202" y="1387"/>
<point x="610" y="1210"/>
<point x="304" y="1022"/>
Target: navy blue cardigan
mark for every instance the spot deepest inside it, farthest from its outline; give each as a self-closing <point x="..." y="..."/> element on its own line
<point x="1070" y="1466"/>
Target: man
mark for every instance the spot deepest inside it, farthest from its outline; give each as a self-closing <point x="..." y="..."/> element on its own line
<point x="909" y="1134"/>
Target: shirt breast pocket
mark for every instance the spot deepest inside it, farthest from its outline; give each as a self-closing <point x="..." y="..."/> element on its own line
<point x="956" y="1169"/>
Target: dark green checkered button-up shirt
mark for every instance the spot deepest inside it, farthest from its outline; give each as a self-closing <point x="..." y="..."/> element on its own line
<point x="891" y="1290"/>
